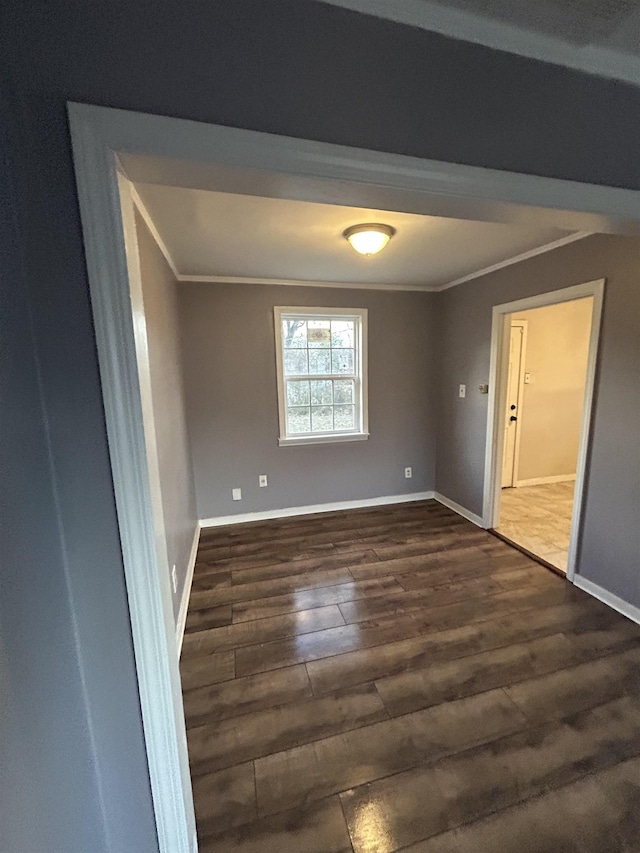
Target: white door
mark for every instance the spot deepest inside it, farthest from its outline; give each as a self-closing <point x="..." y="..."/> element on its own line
<point x="514" y="399"/>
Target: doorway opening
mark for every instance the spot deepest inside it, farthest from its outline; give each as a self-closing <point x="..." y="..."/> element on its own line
<point x="112" y="146"/>
<point x="543" y="373"/>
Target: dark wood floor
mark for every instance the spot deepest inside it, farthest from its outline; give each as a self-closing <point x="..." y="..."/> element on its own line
<point x="397" y="679"/>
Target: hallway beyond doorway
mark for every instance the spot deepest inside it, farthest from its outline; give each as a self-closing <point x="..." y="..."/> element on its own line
<point x="539" y="519"/>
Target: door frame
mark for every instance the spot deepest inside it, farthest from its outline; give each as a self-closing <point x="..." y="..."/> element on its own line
<point x="498" y="378"/>
<point x="103" y="141"/>
<point x="523" y="324"/>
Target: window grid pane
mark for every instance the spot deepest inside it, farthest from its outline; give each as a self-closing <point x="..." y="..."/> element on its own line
<point x="298" y="420"/>
<point x="321" y="418"/>
<point x="294" y="334"/>
<point x="342" y="334"/>
<point x="321" y="392"/>
<point x="296" y="362"/>
<point x="320" y="361"/>
<point x="298" y="393"/>
<point x="319" y="334"/>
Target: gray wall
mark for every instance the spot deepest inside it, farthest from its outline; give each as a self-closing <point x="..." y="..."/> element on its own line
<point x="39" y="664"/>
<point x="230" y="380"/>
<point x="610" y="550"/>
<point x="72" y="777"/>
<point x="160" y="296"/>
<point x="283" y="66"/>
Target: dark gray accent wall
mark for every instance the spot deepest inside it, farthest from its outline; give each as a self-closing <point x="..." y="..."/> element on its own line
<point x="160" y="296"/>
<point x="39" y="663"/>
<point x="232" y="407"/>
<point x="610" y="545"/>
<point x="72" y="762"/>
<point x="283" y="66"/>
<point x="306" y="69"/>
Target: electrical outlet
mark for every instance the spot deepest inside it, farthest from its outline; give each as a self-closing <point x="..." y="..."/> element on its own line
<point x="462" y="391"/>
<point x="236" y="494"/>
<point x="174" y="579"/>
<point x="262" y="481"/>
<point x="408" y="473"/>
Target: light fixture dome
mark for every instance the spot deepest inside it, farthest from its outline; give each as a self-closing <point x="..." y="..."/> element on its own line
<point x="369" y="239"/>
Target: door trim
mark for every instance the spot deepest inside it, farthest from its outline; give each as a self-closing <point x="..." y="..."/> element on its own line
<point x="105" y="144"/>
<point x="498" y="373"/>
<point x="522" y="324"/>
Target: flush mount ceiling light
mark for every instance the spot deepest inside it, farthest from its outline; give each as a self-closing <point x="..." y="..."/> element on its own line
<point x="368" y="239"/>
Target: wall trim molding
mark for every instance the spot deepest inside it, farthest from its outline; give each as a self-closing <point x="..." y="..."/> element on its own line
<point x="516" y="259"/>
<point x="294" y="282"/>
<point x="311" y="509"/>
<point x="107" y="215"/>
<point x="146" y="216"/>
<point x="186" y="590"/>
<point x="629" y="610"/>
<point x="364" y="285"/>
<point x="461" y="510"/>
<point x="540" y="481"/>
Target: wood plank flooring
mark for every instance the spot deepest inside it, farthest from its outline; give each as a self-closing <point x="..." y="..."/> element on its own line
<point x="395" y="679"/>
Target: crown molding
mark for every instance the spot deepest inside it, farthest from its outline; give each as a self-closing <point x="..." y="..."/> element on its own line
<point x="291" y="282"/>
<point x="146" y="216"/>
<point x="516" y="259"/>
<point x="294" y="282"/>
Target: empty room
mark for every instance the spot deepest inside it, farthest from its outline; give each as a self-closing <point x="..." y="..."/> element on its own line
<point x="361" y="659"/>
<point x="320" y="447"/>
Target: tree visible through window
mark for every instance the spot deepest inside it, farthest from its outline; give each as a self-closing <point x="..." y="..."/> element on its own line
<point x="321" y="386"/>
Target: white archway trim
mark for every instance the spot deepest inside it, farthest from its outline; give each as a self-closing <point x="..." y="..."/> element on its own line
<point x="106" y="143"/>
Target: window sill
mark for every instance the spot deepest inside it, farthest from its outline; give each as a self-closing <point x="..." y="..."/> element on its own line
<point x="323" y="439"/>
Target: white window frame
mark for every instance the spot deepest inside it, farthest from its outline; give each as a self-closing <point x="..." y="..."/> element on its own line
<point x="359" y="316"/>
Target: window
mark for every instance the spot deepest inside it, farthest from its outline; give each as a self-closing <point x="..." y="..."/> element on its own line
<point x="322" y="379"/>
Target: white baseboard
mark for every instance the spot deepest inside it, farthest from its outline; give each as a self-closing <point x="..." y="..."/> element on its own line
<point x="310" y="510"/>
<point x="186" y="590"/>
<point x="539" y="481"/>
<point x="461" y="510"/>
<point x="629" y="610"/>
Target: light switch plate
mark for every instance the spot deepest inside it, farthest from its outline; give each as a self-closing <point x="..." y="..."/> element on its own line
<point x="236" y="494"/>
<point x="462" y="391"/>
<point x="262" y="480"/>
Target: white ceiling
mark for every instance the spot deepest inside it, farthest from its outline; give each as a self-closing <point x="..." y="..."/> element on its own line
<point x="596" y="36"/>
<point x="220" y="234"/>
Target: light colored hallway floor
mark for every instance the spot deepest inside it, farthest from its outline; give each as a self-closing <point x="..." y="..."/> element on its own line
<point x="539" y="519"/>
